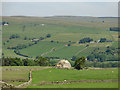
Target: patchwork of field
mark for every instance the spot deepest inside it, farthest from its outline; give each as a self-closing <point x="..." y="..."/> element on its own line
<point x="17" y="75"/>
<point x="62" y="31"/>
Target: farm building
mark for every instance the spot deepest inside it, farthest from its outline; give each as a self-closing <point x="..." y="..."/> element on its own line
<point x="35" y="40"/>
<point x="63" y="64"/>
<point x="42" y="24"/>
<point x="92" y="42"/>
<point x="5" y="24"/>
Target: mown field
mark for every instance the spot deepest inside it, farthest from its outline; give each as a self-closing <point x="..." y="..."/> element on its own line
<point x="62" y="31"/>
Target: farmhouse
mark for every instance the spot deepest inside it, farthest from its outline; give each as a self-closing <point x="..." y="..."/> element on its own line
<point x="98" y="41"/>
<point x="63" y="64"/>
<point x="5" y="24"/>
<point x="92" y="42"/>
<point x="42" y="24"/>
<point x="35" y="40"/>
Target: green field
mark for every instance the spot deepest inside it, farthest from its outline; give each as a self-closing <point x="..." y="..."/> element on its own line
<point x="69" y="75"/>
<point x="49" y="75"/>
<point x="62" y="30"/>
<point x="14" y="75"/>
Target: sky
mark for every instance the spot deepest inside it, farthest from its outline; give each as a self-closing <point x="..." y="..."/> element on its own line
<point x="96" y="9"/>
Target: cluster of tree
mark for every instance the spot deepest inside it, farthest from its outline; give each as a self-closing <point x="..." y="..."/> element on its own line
<point x="14" y="36"/>
<point x="21" y="46"/>
<point x="109" y="53"/>
<point x="79" y="63"/>
<point x="24" y="62"/>
<point x="103" y="39"/>
<point x="18" y="47"/>
<point x="85" y="40"/>
<point x="4" y="23"/>
<point x="5" y="42"/>
<point x="96" y="57"/>
<point x="18" y="53"/>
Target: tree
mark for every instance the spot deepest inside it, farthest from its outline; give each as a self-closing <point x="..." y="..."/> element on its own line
<point x="41" y="38"/>
<point x="79" y="63"/>
<point x="3" y="22"/>
<point x="73" y="58"/>
<point x="25" y="38"/>
<point x="48" y="35"/>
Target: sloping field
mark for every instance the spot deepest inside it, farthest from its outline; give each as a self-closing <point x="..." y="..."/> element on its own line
<point x="62" y="29"/>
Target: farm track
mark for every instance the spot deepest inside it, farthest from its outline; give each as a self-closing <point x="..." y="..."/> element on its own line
<point x="48" y="52"/>
<point x="80" y="51"/>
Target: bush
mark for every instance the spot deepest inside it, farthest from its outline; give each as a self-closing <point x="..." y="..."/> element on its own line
<point x="48" y="35"/>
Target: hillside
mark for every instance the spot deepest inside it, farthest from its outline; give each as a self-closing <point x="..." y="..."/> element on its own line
<point x="58" y="37"/>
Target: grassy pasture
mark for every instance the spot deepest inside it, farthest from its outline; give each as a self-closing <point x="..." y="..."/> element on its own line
<point x="9" y="75"/>
<point x="73" y="75"/>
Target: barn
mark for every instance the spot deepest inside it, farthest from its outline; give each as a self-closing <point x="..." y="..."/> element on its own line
<point x="63" y="64"/>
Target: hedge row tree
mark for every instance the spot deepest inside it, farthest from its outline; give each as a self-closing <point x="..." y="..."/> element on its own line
<point x="14" y="36"/>
<point x="42" y="61"/>
<point x="9" y="61"/>
<point x="79" y="63"/>
<point x="3" y="22"/>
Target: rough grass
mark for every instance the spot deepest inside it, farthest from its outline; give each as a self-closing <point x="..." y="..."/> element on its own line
<point x="81" y="85"/>
<point x="15" y="83"/>
<point x="22" y="67"/>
